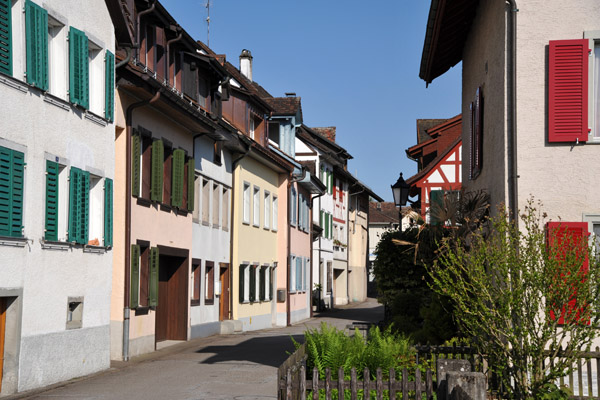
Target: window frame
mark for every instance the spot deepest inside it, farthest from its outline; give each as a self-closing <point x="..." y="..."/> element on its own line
<point x="246" y="199"/>
<point x="256" y="206"/>
<point x="267" y="210"/>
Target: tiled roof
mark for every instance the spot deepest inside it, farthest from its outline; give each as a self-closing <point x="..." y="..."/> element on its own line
<point x="327" y="132"/>
<point x="384" y="212"/>
<point x="248" y="85"/>
<point x="285" y="105"/>
<point x="423" y="125"/>
<point x="310" y="165"/>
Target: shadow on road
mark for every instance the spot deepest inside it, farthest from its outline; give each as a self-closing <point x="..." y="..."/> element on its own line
<point x="268" y="350"/>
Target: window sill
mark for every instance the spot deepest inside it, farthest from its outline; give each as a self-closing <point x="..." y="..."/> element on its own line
<point x="14" y="83"/>
<point x="88" y="248"/>
<point x="216" y="226"/>
<point x="13" y="241"/>
<point x="57" y="102"/>
<point x="194" y="303"/>
<point x="246" y="223"/>
<point x="209" y="302"/>
<point x="205" y="223"/>
<point x="96" y="118"/>
<point x="55" y="245"/>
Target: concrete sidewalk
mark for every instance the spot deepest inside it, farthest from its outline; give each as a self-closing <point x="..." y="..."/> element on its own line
<point x="240" y="366"/>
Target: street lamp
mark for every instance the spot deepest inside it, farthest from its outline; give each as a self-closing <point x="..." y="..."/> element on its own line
<point x="400" y="189"/>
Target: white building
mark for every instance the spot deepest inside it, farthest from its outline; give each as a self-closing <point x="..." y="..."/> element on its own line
<point x="56" y="171"/>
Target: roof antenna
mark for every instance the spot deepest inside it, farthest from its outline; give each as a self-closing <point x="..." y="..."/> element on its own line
<point x="208" y="23"/>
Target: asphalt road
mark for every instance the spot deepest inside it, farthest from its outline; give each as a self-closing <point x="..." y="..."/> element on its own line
<point x="240" y="366"/>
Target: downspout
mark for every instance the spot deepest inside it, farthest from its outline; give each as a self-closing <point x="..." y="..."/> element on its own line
<point x="139" y="17"/>
<point x="167" y="52"/>
<point x="513" y="176"/>
<point x="128" y="129"/>
<point x="291" y="181"/>
<point x="127" y="58"/>
<point x="234" y="163"/>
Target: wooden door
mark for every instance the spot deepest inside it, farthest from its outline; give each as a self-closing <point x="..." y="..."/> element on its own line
<point x="2" y="334"/>
<point x="225" y="295"/>
<point x="172" y="308"/>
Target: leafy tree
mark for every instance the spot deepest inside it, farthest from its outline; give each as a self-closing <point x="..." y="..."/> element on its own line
<point x="523" y="296"/>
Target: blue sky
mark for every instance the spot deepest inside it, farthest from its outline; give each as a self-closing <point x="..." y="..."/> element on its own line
<point x="354" y="63"/>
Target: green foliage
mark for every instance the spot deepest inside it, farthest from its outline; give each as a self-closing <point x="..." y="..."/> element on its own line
<point x="508" y="287"/>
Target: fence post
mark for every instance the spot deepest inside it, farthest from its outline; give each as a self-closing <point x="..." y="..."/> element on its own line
<point x="315" y="384"/>
<point x="302" y="382"/>
<point x="341" y="383"/>
<point x="429" y="384"/>
<point x="379" y="384"/>
<point x="327" y="384"/>
<point x="404" y="384"/>
<point x="353" y="389"/>
<point x="366" y="382"/>
<point x="288" y="384"/>
<point x="392" y="384"/>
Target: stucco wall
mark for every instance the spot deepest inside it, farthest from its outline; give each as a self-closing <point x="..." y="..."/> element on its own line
<point x="484" y="66"/>
<point x="300" y="247"/>
<point x="357" y="251"/>
<point x="251" y="244"/>
<point x="562" y="176"/>
<point x="45" y="128"/>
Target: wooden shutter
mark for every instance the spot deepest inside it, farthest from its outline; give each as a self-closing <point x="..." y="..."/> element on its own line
<point x="5" y="37"/>
<point x="156" y="187"/>
<point x="85" y="207"/>
<point x="51" y="201"/>
<point x="561" y="236"/>
<point x="298" y="273"/>
<point x="241" y="283"/>
<point x="154" y="270"/>
<point x="109" y="96"/>
<point x="436" y="200"/>
<point x="568" y="90"/>
<point x="108" y="212"/>
<point x="134" y="277"/>
<point x="36" y="24"/>
<point x="261" y="284"/>
<point x="191" y="177"/>
<point x="12" y="175"/>
<point x="253" y="283"/>
<point x="135" y="164"/>
<point x="270" y="283"/>
<point x="177" y="178"/>
<point x="78" y="68"/>
<point x="74" y="204"/>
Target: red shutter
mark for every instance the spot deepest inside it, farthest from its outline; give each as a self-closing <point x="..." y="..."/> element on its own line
<point x="561" y="234"/>
<point x="568" y="90"/>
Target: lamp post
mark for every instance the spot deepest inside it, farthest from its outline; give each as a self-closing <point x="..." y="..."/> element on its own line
<point x="400" y="189"/>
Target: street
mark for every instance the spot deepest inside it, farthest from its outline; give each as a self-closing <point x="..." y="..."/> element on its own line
<point x="240" y="366"/>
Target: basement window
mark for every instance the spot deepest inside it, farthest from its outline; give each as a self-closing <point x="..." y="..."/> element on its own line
<point x="74" y="312"/>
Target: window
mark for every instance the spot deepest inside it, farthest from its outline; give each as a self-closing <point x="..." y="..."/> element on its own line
<point x="157" y="170"/>
<point x="216" y="203"/>
<point x="209" y="282"/>
<point x="143" y="276"/>
<point x="476" y="149"/>
<point x="293" y="206"/>
<point x="225" y="209"/>
<point x="267" y="212"/>
<point x="177" y="178"/>
<point x="567" y="243"/>
<point x="217" y="153"/>
<point x="275" y="211"/>
<point x="167" y="171"/>
<point x="251" y="127"/>
<point x="196" y="213"/>
<point x="96" y="210"/>
<point x="568" y="90"/>
<point x="244" y="283"/>
<point x="79" y="205"/>
<point x="36" y="26"/>
<point x="12" y="179"/>
<point x="292" y="273"/>
<point x="58" y="57"/>
<point x="301" y="211"/>
<point x="205" y="201"/>
<point x="52" y="229"/>
<point x="74" y="312"/>
<point x="262" y="283"/>
<point x="274" y="133"/>
<point x="142" y="164"/>
<point x="299" y="265"/>
<point x="189" y="185"/>
<point x="256" y="209"/>
<point x="246" y="204"/>
<point x="97" y="74"/>
<point x="196" y="271"/>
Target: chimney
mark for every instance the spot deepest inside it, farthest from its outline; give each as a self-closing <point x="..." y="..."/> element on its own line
<point x="246" y="63"/>
<point x="290" y="94"/>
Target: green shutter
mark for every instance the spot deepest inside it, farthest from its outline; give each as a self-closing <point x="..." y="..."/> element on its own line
<point x="326" y="226"/>
<point x="158" y="155"/>
<point x="85" y="208"/>
<point x="252" y="283"/>
<point x="177" y="172"/>
<point x="74" y="203"/>
<point x="5" y="37"/>
<point x="261" y="284"/>
<point x="109" y="97"/>
<point x="134" y="277"/>
<point x="78" y="68"/>
<point x="191" y="178"/>
<point x="241" y="283"/>
<point x="12" y="175"/>
<point x="330" y="226"/>
<point x="36" y="21"/>
<point x="51" y="201"/>
<point x="135" y="164"/>
<point x="154" y="267"/>
<point x="108" y="212"/>
<point x="270" y="283"/>
<point x="436" y="202"/>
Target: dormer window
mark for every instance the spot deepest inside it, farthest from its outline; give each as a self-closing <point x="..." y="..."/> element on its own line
<point x="274" y="133"/>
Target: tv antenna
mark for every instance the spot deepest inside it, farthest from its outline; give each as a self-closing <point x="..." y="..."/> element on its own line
<point x="207" y="22"/>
